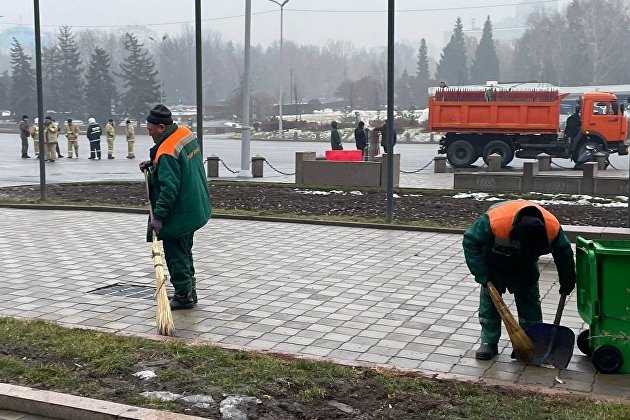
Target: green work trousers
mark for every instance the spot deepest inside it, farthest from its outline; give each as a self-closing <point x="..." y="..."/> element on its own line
<point x="527" y="305"/>
<point x="179" y="260"/>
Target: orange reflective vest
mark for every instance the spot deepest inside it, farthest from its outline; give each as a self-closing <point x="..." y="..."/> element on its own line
<point x="502" y="220"/>
<point x="174" y="144"/>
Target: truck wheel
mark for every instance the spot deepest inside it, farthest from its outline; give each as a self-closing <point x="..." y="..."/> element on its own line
<point x="461" y="154"/>
<point x="607" y="359"/>
<point x="501" y="148"/>
<point x="583" y="344"/>
<point x="585" y="151"/>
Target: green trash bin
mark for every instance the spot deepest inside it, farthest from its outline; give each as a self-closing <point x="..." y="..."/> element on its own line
<point x="603" y="300"/>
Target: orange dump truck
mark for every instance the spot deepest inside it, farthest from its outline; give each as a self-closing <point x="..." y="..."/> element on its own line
<point x="479" y="122"/>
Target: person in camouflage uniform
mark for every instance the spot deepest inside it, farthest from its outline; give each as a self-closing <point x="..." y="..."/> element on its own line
<point x="131" y="139"/>
<point x="24" y="133"/>
<point x="110" y="132"/>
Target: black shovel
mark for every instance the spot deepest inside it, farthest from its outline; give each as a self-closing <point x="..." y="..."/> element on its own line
<point x="553" y="343"/>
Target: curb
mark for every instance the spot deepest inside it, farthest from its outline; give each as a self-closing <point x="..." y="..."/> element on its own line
<point x="572" y="231"/>
<point x="65" y="406"/>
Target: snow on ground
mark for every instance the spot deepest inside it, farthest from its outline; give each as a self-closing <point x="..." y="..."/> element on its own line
<point x="567" y="199"/>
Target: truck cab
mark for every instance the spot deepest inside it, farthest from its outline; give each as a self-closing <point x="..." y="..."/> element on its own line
<point x="603" y="126"/>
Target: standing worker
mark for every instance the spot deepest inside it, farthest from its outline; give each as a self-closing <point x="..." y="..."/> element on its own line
<point x="52" y="136"/>
<point x="35" y="135"/>
<point x="24" y="133"/>
<point x="111" y="135"/>
<point x="503" y="246"/>
<point x="131" y="139"/>
<point x="359" y="137"/>
<point x="335" y="138"/>
<point x="94" y="136"/>
<point x="72" y="134"/>
<point x="383" y="130"/>
<point x="179" y="196"/>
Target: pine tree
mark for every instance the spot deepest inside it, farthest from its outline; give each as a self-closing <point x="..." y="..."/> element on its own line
<point x="422" y="64"/>
<point x="404" y="96"/>
<point x="51" y="74"/>
<point x="140" y="82"/>
<point x="100" y="91"/>
<point x="420" y="84"/>
<point x="452" y="67"/>
<point x="486" y="64"/>
<point x="5" y="84"/>
<point x="578" y="66"/>
<point x="70" y="83"/>
<point x="22" y="96"/>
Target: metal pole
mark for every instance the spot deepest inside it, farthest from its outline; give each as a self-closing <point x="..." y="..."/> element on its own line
<point x="40" y="102"/>
<point x="280" y="131"/>
<point x="390" y="109"/>
<point x="199" y="74"/>
<point x="245" y="149"/>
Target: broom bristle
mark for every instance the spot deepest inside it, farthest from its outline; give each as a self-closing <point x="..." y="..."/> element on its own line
<point x="522" y="344"/>
<point x="163" y="315"/>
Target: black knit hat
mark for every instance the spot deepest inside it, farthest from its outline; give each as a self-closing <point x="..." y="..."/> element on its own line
<point x="160" y="115"/>
<point x="530" y="231"/>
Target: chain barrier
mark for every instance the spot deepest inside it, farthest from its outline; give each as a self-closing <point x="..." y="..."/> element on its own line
<point x="611" y="165"/>
<point x="277" y="170"/>
<point x="227" y="167"/>
<point x="418" y="170"/>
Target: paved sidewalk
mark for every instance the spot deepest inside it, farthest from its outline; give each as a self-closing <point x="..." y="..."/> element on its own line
<point x="357" y="295"/>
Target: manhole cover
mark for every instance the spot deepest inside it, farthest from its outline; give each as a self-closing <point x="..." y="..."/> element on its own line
<point x="134" y="291"/>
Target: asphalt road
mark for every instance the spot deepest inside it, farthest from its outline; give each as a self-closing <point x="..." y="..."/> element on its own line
<point x="280" y="154"/>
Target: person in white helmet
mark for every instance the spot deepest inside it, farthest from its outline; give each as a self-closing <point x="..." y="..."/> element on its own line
<point x="93" y="133"/>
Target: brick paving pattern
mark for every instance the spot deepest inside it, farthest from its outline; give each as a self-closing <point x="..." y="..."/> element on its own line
<point x="356" y="295"/>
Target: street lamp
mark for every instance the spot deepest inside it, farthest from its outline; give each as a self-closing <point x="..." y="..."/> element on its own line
<point x="160" y="46"/>
<point x="281" y="4"/>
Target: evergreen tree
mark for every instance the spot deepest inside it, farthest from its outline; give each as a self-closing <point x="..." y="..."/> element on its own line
<point x="100" y="91"/>
<point x="578" y="65"/>
<point x="139" y="76"/>
<point x="22" y="96"/>
<point x="404" y="96"/>
<point x="486" y="63"/>
<point x="422" y="64"/>
<point x="70" y="83"/>
<point x="420" y="84"/>
<point x="51" y="74"/>
<point x="452" y="67"/>
<point x="5" y="84"/>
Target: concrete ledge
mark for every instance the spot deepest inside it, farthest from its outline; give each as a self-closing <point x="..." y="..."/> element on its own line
<point x="70" y="407"/>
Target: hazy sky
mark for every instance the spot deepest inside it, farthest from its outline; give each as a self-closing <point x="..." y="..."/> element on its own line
<point x="364" y="22"/>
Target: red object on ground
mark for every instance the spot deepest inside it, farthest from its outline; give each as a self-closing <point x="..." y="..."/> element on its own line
<point x="344" y="155"/>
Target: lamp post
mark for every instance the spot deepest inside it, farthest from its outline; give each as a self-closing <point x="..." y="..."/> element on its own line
<point x="281" y="4"/>
<point x="160" y="46"/>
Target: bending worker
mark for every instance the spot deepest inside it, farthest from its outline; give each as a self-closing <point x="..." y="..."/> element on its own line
<point x="503" y="245"/>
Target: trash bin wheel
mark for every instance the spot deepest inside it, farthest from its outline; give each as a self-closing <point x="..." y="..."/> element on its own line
<point x="583" y="344"/>
<point x="607" y="359"/>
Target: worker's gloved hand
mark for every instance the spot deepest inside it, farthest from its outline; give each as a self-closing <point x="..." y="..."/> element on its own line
<point x="145" y="165"/>
<point x="566" y="286"/>
<point x="482" y="280"/>
<point x="156" y="225"/>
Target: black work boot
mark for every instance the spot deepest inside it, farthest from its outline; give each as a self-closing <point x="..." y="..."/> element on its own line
<point x="194" y="290"/>
<point x="487" y="351"/>
<point x="181" y="301"/>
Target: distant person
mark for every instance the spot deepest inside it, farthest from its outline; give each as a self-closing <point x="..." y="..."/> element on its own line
<point x="360" y="138"/>
<point x="71" y="130"/>
<point x="52" y="138"/>
<point x="24" y="134"/>
<point x="383" y="130"/>
<point x="93" y="133"/>
<point x="335" y="138"/>
<point x="110" y="132"/>
<point x="179" y="196"/>
<point x="131" y="139"/>
<point x="573" y="124"/>
<point x="35" y="136"/>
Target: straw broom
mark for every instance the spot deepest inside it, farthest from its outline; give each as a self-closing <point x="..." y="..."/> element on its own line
<point x="522" y="344"/>
<point x="163" y="315"/>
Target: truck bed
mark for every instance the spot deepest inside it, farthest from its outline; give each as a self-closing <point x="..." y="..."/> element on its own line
<point x="506" y="117"/>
